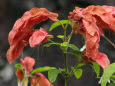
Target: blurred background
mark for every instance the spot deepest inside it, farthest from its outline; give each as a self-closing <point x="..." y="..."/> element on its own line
<point x="11" y="10"/>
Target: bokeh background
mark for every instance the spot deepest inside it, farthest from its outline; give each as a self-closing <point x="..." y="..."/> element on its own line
<point x="11" y="10"/>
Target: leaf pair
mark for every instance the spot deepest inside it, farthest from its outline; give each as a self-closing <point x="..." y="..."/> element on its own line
<point x="59" y="23"/>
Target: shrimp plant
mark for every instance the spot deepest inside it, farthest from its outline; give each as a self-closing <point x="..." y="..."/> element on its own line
<point x="89" y="22"/>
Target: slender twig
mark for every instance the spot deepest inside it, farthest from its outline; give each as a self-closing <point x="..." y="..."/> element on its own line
<point x="61" y="24"/>
<point x="108" y="40"/>
<point x="64" y="34"/>
<point x="69" y="37"/>
<point x="66" y="25"/>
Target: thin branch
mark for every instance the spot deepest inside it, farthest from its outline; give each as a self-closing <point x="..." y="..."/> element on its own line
<point x="108" y="40"/>
<point x="61" y="24"/>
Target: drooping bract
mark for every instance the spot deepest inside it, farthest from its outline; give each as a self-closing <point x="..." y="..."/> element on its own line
<point x="90" y="22"/>
<point x="38" y="37"/>
<point x="23" y="29"/>
<point x="40" y="80"/>
<point x="27" y="67"/>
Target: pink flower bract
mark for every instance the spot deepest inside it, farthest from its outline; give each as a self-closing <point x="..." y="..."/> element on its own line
<point x="40" y="80"/>
<point x="22" y="30"/>
<point x="38" y="37"/>
<point x="90" y="22"/>
<point x="27" y="64"/>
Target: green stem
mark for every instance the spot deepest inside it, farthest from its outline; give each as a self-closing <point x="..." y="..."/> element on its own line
<point x="61" y="24"/>
<point x="25" y="82"/>
<point x="65" y="61"/>
<point x="66" y="80"/>
<point x="65" y="50"/>
<point x="64" y="34"/>
<point x="69" y="37"/>
<point x="66" y="68"/>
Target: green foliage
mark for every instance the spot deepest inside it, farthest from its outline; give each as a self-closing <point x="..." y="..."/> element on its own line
<point x="58" y="23"/>
<point x="72" y="46"/>
<point x="60" y="36"/>
<point x="113" y="76"/>
<point x="62" y="70"/>
<point x="51" y="37"/>
<point x="78" y="73"/>
<point x="75" y="54"/>
<point x="107" y="74"/>
<point x="112" y="84"/>
<point x="52" y="75"/>
<point x="42" y="69"/>
<point x="64" y="44"/>
<point x="96" y="68"/>
<point x="80" y="65"/>
<point x="18" y="66"/>
<point x="51" y="43"/>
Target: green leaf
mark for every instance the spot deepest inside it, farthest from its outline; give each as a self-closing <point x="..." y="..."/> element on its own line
<point x="51" y="43"/>
<point x="112" y="84"/>
<point x="78" y="73"/>
<point x="80" y="65"/>
<point x="96" y="68"/>
<point x="42" y="69"/>
<point x="52" y="75"/>
<point x="49" y="38"/>
<point x="75" y="54"/>
<point x="113" y="76"/>
<point x="58" y="23"/>
<point x="61" y="36"/>
<point x="107" y="74"/>
<point x="18" y="66"/>
<point x="62" y="70"/>
<point x="72" y="46"/>
<point x="64" y="44"/>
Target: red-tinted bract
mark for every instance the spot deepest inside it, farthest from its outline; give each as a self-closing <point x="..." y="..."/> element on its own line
<point x="23" y="29"/>
<point x="40" y="80"/>
<point x="27" y="64"/>
<point x="90" y="22"/>
<point x="20" y="75"/>
<point x="38" y="37"/>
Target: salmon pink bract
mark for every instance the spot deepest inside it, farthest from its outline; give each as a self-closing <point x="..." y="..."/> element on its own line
<point x="23" y="29"/>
